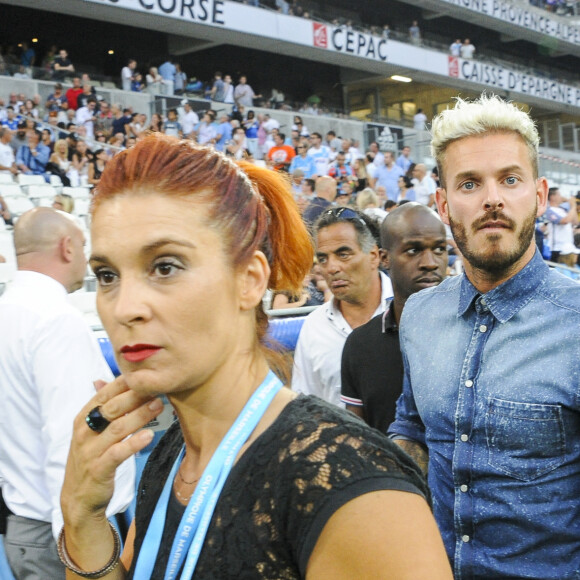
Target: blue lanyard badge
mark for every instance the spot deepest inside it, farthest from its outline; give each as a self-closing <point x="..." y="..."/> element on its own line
<point x="193" y="527"/>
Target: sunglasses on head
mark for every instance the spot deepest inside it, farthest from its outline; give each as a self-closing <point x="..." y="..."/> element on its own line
<point x="345" y="214"/>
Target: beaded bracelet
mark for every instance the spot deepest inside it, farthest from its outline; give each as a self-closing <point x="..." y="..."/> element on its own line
<point x="108" y="567"/>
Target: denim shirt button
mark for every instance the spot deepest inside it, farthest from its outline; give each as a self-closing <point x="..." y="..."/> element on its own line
<point x="463" y="488"/>
<point x="483" y="328"/>
<point x="464" y="437"/>
<point x="469" y="383"/>
<point x="465" y="538"/>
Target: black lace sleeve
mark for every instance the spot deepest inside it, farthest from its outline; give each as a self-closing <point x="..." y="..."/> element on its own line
<point x="283" y="490"/>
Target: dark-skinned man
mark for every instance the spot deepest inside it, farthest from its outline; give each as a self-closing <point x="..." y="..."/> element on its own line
<point x="414" y="251"/>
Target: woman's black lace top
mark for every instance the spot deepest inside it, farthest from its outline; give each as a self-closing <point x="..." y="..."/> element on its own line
<point x="312" y="460"/>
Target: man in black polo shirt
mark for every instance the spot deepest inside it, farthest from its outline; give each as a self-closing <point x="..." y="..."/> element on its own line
<point x="414" y="251"/>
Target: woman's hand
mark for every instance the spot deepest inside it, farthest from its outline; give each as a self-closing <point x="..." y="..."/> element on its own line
<point x="94" y="457"/>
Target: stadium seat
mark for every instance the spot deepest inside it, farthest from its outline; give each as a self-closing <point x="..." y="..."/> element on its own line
<point x="7" y="247"/>
<point x="44" y="201"/>
<point x="285" y="331"/>
<point x="6" y="178"/>
<point x="77" y="192"/>
<point x="24" y="179"/>
<point x="56" y="181"/>
<point x="18" y="204"/>
<point x="81" y="207"/>
<point x="10" y="189"/>
<point x="107" y="350"/>
<point x="35" y="191"/>
<point x="5" y="572"/>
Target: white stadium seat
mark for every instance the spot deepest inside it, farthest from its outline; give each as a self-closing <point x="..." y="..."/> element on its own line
<point x="77" y="192"/>
<point x="10" y="190"/>
<point x="18" y="204"/>
<point x="24" y="179"/>
<point x="35" y="191"/>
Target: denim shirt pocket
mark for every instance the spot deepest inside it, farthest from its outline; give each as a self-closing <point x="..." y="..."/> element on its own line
<point x="524" y="440"/>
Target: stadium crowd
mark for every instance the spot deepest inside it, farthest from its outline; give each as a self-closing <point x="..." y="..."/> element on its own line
<point x="74" y="133"/>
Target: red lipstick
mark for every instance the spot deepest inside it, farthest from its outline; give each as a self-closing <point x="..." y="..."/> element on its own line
<point x="139" y="352"/>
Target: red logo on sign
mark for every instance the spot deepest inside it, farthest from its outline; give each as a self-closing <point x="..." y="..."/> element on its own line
<point x="453" y="63"/>
<point x="320" y="35"/>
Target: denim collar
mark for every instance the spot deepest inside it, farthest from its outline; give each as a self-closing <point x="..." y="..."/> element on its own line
<point x="508" y="298"/>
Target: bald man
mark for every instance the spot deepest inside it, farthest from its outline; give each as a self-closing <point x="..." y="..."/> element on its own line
<point x="414" y="251"/>
<point x="425" y="185"/>
<point x="49" y="361"/>
<point x="325" y="194"/>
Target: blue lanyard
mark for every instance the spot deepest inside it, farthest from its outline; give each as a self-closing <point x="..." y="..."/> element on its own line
<point x="193" y="527"/>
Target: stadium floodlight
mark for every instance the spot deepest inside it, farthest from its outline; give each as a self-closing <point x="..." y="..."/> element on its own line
<point x="401" y="79"/>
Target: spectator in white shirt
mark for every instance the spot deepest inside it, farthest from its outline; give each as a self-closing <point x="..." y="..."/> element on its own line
<point x="455" y="48"/>
<point x="467" y="49"/>
<point x="419" y="120"/>
<point x="127" y="74"/>
<point x="85" y="117"/>
<point x="7" y="157"/>
<point x="188" y="118"/>
<point x="425" y="186"/>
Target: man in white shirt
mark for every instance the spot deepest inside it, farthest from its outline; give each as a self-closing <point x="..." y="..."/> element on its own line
<point x="560" y="230"/>
<point x="127" y="73"/>
<point x="188" y="119"/>
<point x="348" y="255"/>
<point x="425" y="185"/>
<point x="467" y="49"/>
<point x="7" y="158"/>
<point x="85" y="117"/>
<point x="419" y="120"/>
<point x="455" y="48"/>
<point x="49" y="361"/>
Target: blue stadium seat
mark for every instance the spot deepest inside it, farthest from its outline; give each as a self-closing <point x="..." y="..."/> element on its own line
<point x="107" y="350"/>
<point x="285" y="331"/>
<point x="5" y="572"/>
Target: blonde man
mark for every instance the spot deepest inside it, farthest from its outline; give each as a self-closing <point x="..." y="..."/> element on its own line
<point x="490" y="401"/>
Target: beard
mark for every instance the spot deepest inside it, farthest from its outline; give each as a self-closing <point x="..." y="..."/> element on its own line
<point x="491" y="257"/>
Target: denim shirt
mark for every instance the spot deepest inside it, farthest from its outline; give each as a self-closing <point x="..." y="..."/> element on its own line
<point x="492" y="389"/>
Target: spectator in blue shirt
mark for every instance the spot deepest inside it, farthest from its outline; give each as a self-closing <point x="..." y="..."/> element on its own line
<point x="32" y="158"/>
<point x="303" y="161"/>
<point x="12" y="120"/>
<point x="167" y="70"/>
<point x="224" y="132"/>
<point x="387" y="175"/>
<point x="404" y="160"/>
<point x="490" y="398"/>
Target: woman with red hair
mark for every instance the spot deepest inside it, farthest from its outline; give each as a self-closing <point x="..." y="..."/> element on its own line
<point x="251" y="481"/>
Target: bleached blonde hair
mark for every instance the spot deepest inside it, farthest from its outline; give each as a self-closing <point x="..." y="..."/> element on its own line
<point x="365" y="198"/>
<point x="487" y="114"/>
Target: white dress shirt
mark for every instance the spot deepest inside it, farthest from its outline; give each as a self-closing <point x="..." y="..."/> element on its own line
<point x="7" y="158"/>
<point x="84" y="118"/>
<point x="319" y="349"/>
<point x="424" y="189"/>
<point x="49" y="359"/>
